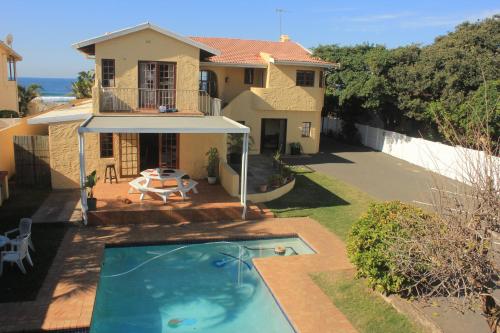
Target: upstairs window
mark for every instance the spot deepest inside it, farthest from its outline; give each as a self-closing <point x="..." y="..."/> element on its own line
<point x="106" y="144"/>
<point x="321" y="79"/>
<point x="249" y="75"/>
<point x="305" y="78"/>
<point x="108" y="72"/>
<point x="208" y="82"/>
<point x="11" y="69"/>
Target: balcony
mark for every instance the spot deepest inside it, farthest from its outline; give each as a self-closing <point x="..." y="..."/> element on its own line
<point x="154" y="101"/>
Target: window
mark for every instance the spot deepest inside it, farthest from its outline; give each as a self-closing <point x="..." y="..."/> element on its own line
<point x="305" y="78"/>
<point x="306" y="129"/>
<point x="11" y="69"/>
<point x="208" y="82"/>
<point x="321" y="79"/>
<point x="106" y="142"/>
<point x="249" y="75"/>
<point x="108" y="72"/>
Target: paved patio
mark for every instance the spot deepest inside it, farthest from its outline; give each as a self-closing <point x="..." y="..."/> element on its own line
<point x="67" y="297"/>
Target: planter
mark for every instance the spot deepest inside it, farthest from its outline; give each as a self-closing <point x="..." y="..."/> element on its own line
<point x="295" y="150"/>
<point x="212" y="180"/>
<point x="91" y="204"/>
<point x="263" y="188"/>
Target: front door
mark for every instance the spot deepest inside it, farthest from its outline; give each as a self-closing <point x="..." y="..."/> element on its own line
<point x="156" y="84"/>
<point x="149" y="144"/>
<point x="273" y="136"/>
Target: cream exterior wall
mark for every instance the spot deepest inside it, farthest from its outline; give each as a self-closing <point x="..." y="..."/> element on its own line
<point x="193" y="147"/>
<point x="8" y="89"/>
<point x="150" y="45"/>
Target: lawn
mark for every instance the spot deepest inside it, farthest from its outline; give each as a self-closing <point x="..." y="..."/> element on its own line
<point x="336" y="205"/>
<point x="14" y="286"/>
<point x="331" y="202"/>
<point x="366" y="311"/>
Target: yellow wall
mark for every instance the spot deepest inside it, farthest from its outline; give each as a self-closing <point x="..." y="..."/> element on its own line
<point x="8" y="89"/>
<point x="65" y="165"/>
<point x="149" y="45"/>
<point x="7" y="162"/>
<point x="193" y="147"/>
<point x="229" y="179"/>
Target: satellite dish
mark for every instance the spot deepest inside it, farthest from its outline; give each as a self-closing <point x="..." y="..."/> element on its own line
<point x="9" y="39"/>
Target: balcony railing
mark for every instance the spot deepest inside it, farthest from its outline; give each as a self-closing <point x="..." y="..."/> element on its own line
<point x="157" y="100"/>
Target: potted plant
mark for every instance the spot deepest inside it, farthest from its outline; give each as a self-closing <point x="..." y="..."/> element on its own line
<point x="275" y="180"/>
<point x="295" y="148"/>
<point x="90" y="182"/>
<point x="263" y="188"/>
<point x="213" y="165"/>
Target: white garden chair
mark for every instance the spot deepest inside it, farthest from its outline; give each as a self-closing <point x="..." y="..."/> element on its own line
<point x="17" y="254"/>
<point x="138" y="185"/>
<point x="23" y="230"/>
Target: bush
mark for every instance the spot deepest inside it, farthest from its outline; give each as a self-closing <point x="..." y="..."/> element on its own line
<point x="8" y="114"/>
<point x="349" y="133"/>
<point x="372" y="237"/>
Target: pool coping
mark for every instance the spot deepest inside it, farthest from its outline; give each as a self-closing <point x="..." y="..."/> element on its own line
<point x="67" y="297"/>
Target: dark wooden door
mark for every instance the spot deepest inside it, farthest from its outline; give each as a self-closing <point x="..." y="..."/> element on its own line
<point x="32" y="158"/>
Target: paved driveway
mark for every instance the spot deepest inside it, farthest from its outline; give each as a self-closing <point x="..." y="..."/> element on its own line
<point x="382" y="176"/>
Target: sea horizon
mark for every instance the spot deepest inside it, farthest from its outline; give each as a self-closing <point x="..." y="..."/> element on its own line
<point x="54" y="87"/>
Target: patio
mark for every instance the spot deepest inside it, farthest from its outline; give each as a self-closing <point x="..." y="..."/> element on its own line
<point x="115" y="205"/>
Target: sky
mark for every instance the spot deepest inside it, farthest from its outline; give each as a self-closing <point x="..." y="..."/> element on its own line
<point x="44" y="30"/>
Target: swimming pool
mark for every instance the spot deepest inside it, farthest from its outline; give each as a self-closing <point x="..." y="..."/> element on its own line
<point x="205" y="287"/>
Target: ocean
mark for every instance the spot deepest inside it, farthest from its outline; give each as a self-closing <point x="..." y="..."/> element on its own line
<point x="53" y="87"/>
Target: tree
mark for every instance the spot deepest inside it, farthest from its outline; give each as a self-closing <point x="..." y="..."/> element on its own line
<point x="82" y="88"/>
<point x="25" y="95"/>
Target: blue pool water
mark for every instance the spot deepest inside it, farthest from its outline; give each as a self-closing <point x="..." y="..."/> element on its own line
<point x="207" y="287"/>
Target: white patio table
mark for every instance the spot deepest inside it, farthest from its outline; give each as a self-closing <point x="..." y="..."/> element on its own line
<point x="162" y="175"/>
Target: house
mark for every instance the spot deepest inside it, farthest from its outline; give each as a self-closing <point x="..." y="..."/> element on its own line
<point x="8" y="84"/>
<point x="164" y="99"/>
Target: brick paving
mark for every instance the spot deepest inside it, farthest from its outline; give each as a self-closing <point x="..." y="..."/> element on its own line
<point x="67" y="297"/>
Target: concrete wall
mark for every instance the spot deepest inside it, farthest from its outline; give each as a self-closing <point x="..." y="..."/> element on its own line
<point x="193" y="148"/>
<point x="443" y="159"/>
<point x="149" y="45"/>
<point x="8" y="89"/>
<point x="21" y="127"/>
<point x="229" y="179"/>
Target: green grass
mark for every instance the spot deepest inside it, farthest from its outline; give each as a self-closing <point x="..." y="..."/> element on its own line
<point x="337" y="206"/>
<point x="366" y="311"/>
<point x="331" y="202"/>
<point x="23" y="202"/>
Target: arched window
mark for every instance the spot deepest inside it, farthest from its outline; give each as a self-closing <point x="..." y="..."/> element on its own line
<point x="208" y="82"/>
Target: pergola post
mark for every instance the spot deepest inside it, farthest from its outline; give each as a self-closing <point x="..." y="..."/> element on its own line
<point x="83" y="192"/>
<point x="244" y="167"/>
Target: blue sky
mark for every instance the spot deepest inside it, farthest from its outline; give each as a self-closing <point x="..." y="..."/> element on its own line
<point x="44" y="30"/>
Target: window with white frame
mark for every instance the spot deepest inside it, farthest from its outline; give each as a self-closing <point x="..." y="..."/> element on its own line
<point x="11" y="69"/>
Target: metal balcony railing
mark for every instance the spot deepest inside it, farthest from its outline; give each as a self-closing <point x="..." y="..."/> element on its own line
<point x="113" y="99"/>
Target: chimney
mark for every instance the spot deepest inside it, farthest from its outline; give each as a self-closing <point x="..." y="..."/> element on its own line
<point x="284" y="38"/>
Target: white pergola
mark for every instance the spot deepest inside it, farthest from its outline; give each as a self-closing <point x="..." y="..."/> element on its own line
<point x="162" y="124"/>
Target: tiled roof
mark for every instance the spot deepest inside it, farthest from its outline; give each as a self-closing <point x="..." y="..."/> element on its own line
<point x="244" y="51"/>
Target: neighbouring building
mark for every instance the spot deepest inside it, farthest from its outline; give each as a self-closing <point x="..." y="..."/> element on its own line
<point x="148" y="75"/>
<point x="8" y="83"/>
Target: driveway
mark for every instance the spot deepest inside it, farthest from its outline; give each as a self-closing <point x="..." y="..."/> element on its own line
<point x="382" y="176"/>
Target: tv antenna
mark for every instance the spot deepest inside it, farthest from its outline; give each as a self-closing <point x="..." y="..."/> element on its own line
<point x="280" y="12"/>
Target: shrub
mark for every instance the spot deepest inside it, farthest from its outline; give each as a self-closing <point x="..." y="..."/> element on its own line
<point x="8" y="114"/>
<point x="372" y="237"/>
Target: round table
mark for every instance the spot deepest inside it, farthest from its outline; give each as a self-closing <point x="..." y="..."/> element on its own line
<point x="162" y="175"/>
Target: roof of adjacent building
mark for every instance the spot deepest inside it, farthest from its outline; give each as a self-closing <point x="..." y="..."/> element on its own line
<point x="64" y="113"/>
<point x="10" y="51"/>
<point x="245" y="51"/>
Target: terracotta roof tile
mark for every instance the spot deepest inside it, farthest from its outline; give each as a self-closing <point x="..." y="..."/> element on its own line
<point x="244" y="51"/>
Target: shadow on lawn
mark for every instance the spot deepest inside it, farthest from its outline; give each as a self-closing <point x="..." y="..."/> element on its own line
<point x="306" y="194"/>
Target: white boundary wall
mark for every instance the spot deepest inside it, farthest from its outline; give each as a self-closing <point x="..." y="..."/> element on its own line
<point x="443" y="159"/>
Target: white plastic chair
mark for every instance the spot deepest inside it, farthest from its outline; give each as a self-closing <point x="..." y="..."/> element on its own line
<point x="23" y="230"/>
<point x="17" y="255"/>
<point x="162" y="193"/>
